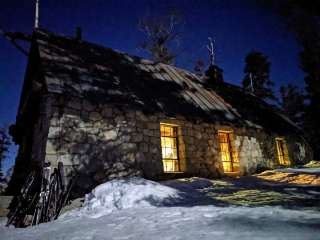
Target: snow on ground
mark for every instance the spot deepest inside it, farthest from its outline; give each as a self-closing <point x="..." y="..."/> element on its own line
<point x="299" y="170"/>
<point x="191" y="208"/>
<point x="125" y="193"/>
<point x="168" y="223"/>
<point x="3" y="221"/>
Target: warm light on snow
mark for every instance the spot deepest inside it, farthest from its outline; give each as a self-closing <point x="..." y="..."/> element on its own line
<point x="136" y="208"/>
<point x="297" y="176"/>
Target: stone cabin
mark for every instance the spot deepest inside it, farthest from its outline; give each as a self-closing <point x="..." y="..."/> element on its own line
<point x="106" y="114"/>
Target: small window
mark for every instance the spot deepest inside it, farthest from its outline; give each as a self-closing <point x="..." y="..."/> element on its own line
<point x="169" y="146"/>
<point x="282" y="150"/>
<point x="229" y="156"/>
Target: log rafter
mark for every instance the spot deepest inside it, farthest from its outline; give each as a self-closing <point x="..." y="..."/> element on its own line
<point x="14" y="36"/>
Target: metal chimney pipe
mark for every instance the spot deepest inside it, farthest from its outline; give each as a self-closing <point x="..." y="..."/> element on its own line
<point x="36" y="22"/>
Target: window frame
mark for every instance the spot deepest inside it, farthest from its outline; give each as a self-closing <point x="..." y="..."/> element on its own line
<point x="233" y="154"/>
<point x="281" y="144"/>
<point x="176" y="140"/>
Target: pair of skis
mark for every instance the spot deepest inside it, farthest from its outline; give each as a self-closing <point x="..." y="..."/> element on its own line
<point x="37" y="204"/>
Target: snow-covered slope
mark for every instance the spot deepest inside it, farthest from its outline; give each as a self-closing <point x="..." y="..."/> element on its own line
<point x="139" y="209"/>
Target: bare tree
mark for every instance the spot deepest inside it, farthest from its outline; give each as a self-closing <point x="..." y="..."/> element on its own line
<point x="161" y="34"/>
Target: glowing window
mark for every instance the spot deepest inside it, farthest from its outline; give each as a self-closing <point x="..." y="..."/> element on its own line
<point x="229" y="156"/>
<point x="169" y="146"/>
<point x="282" y="150"/>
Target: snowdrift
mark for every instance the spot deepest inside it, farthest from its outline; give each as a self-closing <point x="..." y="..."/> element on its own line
<point x="122" y="194"/>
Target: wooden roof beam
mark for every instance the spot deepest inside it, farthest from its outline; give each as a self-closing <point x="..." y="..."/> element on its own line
<point x="14" y="36"/>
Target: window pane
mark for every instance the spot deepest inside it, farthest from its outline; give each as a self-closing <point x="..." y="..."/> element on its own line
<point x="229" y="156"/>
<point x="168" y="131"/>
<point x="170" y="165"/>
<point x="282" y="151"/>
<point x="227" y="166"/>
<point x="169" y="148"/>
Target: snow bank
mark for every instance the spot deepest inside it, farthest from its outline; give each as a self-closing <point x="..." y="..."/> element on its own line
<point x="122" y="194"/>
<point x="299" y="170"/>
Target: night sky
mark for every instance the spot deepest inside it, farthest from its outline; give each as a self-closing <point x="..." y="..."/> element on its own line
<point x="236" y="26"/>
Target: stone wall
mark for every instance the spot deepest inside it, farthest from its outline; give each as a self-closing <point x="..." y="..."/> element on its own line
<point x="98" y="143"/>
<point x="101" y="142"/>
<point x="249" y="152"/>
<point x="299" y="150"/>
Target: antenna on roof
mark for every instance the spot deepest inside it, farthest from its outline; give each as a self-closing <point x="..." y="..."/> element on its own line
<point x="36" y="20"/>
<point x="211" y="51"/>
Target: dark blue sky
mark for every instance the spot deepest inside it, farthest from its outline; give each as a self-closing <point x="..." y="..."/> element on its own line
<point x="237" y="27"/>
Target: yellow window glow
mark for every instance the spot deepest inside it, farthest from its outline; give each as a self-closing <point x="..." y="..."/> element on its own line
<point x="169" y="148"/>
<point x="282" y="151"/>
<point x="229" y="156"/>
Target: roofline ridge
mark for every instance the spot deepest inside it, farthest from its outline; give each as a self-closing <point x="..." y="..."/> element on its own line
<point x="46" y="31"/>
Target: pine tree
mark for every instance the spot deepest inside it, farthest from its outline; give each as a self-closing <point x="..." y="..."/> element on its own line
<point x="257" y="79"/>
<point x="292" y="103"/>
<point x="310" y="63"/>
<point x="302" y="18"/>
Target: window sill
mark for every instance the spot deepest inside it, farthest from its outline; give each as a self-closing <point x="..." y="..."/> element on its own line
<point x="232" y="174"/>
